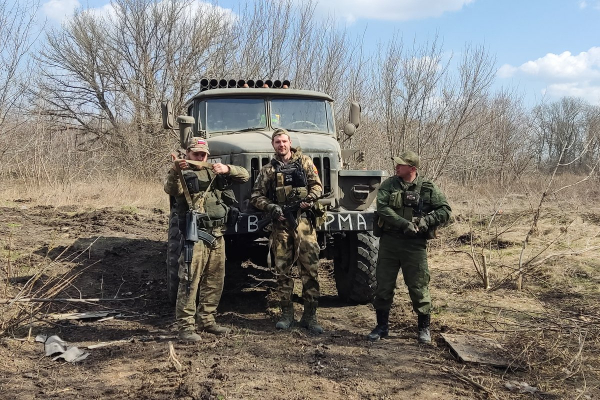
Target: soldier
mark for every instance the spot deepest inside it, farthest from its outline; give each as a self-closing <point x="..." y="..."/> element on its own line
<point x="291" y="177"/>
<point x="205" y="203"/>
<point x="410" y="208"/>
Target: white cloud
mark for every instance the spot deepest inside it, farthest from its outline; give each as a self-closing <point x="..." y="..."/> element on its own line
<point x="59" y="10"/>
<point x="564" y="74"/>
<point x="582" y="4"/>
<point x="584" y="90"/>
<point x="564" y="66"/>
<point x="392" y="10"/>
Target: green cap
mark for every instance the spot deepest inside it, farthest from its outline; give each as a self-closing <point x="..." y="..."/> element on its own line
<point x="408" y="158"/>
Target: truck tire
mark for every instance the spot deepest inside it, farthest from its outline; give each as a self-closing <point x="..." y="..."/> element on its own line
<point x="173" y="252"/>
<point x="354" y="266"/>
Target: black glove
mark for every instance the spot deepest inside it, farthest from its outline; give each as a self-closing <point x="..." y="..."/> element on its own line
<point x="275" y="211"/>
<point x="422" y="225"/>
<point x="411" y="229"/>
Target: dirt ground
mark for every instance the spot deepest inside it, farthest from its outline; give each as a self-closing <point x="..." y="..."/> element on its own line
<point x="120" y="253"/>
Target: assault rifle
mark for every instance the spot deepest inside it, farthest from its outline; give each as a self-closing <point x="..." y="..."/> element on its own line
<point x="290" y="212"/>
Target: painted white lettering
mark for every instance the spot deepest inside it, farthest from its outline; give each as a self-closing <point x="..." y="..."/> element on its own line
<point x="361" y="223"/>
<point x="252" y="223"/>
<point x="347" y="218"/>
<point x="329" y="220"/>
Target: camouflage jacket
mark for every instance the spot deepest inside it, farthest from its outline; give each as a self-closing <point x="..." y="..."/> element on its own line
<point x="261" y="192"/>
<point x="220" y="188"/>
<point x="435" y="208"/>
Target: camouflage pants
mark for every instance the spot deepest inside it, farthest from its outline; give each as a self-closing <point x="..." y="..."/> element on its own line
<point x="207" y="273"/>
<point x="395" y="252"/>
<point x="286" y="247"/>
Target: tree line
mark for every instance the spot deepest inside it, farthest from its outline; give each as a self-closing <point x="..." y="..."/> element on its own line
<point x="84" y="98"/>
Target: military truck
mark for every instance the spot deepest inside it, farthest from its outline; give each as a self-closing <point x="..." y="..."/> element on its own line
<point x="237" y="118"/>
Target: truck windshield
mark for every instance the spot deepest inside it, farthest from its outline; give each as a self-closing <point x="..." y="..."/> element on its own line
<point x="232" y="115"/>
<point x="302" y="115"/>
<point x="223" y="116"/>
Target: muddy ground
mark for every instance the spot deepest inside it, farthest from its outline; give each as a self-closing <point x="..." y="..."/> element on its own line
<point x="121" y="254"/>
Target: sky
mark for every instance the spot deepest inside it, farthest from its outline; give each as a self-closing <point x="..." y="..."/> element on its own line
<point x="544" y="49"/>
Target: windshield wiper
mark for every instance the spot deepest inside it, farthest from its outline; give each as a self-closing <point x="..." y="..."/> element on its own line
<point x="255" y="128"/>
<point x="239" y="130"/>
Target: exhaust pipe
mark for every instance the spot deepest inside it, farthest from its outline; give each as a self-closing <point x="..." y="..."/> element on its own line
<point x="232" y="83"/>
<point x="277" y="84"/>
<point x="259" y="83"/>
<point x="285" y="84"/>
<point x="223" y="83"/>
<point x="213" y="84"/>
<point x="241" y="83"/>
<point x="250" y="83"/>
<point x="269" y="83"/>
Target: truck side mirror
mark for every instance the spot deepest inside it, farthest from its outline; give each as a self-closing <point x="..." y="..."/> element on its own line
<point x="350" y="127"/>
<point x="185" y="129"/>
<point x="166" y="108"/>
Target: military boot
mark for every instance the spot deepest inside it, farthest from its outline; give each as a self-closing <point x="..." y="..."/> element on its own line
<point x="189" y="335"/>
<point x="382" y="328"/>
<point x="287" y="315"/>
<point x="309" y="317"/>
<point x="423" y="326"/>
<point x="216" y="329"/>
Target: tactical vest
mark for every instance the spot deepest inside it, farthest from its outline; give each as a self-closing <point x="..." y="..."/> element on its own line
<point x="409" y="203"/>
<point x="210" y="196"/>
<point x="290" y="182"/>
<point x="412" y="203"/>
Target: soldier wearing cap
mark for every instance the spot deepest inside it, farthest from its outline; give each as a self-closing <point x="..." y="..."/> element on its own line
<point x="409" y="208"/>
<point x="291" y="177"/>
<point x="201" y="282"/>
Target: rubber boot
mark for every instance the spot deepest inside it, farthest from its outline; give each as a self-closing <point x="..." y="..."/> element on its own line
<point x="309" y="318"/>
<point x="382" y="328"/>
<point x="216" y="329"/>
<point x="423" y="326"/>
<point x="189" y="336"/>
<point x="287" y="315"/>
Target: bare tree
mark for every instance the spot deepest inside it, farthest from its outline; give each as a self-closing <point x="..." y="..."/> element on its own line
<point x="17" y="35"/>
<point x="566" y="130"/>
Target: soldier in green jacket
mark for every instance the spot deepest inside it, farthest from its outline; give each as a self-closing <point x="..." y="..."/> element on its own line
<point x="409" y="208"/>
<point x="205" y="202"/>
<point x="291" y="177"/>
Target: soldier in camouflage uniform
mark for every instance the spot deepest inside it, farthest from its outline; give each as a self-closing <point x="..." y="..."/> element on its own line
<point x="409" y="209"/>
<point x="291" y="177"/>
<point x="201" y="281"/>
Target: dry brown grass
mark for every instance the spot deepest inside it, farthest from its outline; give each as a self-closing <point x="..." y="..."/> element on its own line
<point x="116" y="192"/>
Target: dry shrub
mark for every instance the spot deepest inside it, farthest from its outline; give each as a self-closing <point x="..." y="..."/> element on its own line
<point x="44" y="285"/>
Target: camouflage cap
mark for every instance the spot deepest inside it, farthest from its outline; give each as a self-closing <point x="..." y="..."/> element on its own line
<point x="198" y="144"/>
<point x="279" y="132"/>
<point x="408" y="158"/>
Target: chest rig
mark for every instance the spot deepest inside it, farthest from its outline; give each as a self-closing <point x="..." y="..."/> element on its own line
<point x="207" y="197"/>
<point x="290" y="182"/>
<point x="408" y="203"/>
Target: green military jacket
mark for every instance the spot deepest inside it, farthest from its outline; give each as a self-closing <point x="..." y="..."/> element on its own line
<point x="219" y="192"/>
<point x="265" y="182"/>
<point x="390" y="203"/>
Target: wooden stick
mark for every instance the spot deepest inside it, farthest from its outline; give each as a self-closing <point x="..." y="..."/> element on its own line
<point x="42" y="300"/>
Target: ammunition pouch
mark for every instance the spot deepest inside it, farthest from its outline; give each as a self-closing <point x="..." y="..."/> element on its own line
<point x="192" y="182"/>
<point x="232" y="216"/>
<point x="411" y="199"/>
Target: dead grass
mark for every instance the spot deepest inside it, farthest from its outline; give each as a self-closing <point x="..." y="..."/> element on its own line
<point x="118" y="192"/>
<point x="550" y="329"/>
